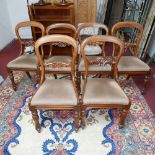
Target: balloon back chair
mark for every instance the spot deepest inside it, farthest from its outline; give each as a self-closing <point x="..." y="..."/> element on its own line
<point x="93" y="52"/>
<point x="60" y="28"/>
<point x="55" y="94"/>
<point x="103" y="92"/>
<point x="24" y="62"/>
<point x="131" y="65"/>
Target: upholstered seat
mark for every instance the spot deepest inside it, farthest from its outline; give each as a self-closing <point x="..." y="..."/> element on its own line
<point x="58" y="59"/>
<point x="91" y="50"/>
<point x="132" y="63"/>
<point x="24" y="61"/>
<point x="104" y="91"/>
<point x="93" y="67"/>
<point x="55" y="92"/>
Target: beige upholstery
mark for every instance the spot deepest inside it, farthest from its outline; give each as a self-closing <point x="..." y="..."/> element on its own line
<point x="93" y="67"/>
<point x="64" y="59"/>
<point x="91" y="50"/>
<point x="55" y="92"/>
<point x="132" y="63"/>
<point x="24" y="61"/>
<point x="104" y="91"/>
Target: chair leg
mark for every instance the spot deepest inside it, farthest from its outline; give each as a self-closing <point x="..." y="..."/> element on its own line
<point x="36" y="119"/>
<point x="128" y="77"/>
<point x="12" y="79"/>
<point x="76" y="118"/>
<point x="123" y="116"/>
<point x="79" y="82"/>
<point x="83" y="118"/>
<point x="146" y="81"/>
<point x="28" y="74"/>
<point x="55" y="76"/>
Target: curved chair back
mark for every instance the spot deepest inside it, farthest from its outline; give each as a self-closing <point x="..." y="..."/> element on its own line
<point x="95" y="26"/>
<point x="54" y="39"/>
<point x="61" y="27"/>
<point x="136" y="31"/>
<point x="86" y="30"/>
<point x="112" y="59"/>
<point x="32" y="24"/>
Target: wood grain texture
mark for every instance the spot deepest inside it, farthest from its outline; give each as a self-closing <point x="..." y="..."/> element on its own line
<point x="85" y="10"/>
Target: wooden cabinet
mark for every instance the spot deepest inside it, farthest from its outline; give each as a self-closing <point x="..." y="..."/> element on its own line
<point x="50" y="14"/>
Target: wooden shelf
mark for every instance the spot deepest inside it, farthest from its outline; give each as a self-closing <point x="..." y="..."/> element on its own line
<point x="50" y="14"/>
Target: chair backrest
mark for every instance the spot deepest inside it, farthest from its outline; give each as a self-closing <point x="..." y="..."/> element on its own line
<point x="112" y="59"/>
<point x="96" y="27"/>
<point x="54" y="39"/>
<point x="28" y="42"/>
<point x="61" y="27"/>
<point x="133" y="36"/>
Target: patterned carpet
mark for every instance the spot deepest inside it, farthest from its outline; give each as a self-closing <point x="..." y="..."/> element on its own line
<point x="100" y="137"/>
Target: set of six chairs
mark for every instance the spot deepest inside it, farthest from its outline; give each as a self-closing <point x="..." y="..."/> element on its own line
<point x="89" y="56"/>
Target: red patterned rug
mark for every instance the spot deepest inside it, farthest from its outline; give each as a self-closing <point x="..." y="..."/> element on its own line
<point x="101" y="136"/>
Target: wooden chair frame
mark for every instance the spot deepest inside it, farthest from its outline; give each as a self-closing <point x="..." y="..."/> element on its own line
<point x="33" y="109"/>
<point x="134" y="47"/>
<point x="62" y="26"/>
<point x="114" y="62"/>
<point x="23" y="44"/>
<point x="80" y="27"/>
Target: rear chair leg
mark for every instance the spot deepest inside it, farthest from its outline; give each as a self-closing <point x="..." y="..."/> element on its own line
<point x="12" y="80"/>
<point x="79" y="82"/>
<point x="28" y="74"/>
<point x="146" y="81"/>
<point x="36" y="119"/>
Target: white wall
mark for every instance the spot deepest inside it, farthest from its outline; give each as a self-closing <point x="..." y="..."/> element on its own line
<point x="6" y="34"/>
<point x="19" y="12"/>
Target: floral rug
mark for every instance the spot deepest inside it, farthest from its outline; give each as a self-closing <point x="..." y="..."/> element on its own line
<point x="100" y="137"/>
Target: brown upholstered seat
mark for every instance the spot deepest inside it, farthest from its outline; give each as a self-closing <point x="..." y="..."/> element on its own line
<point x="24" y="61"/>
<point x="55" y="92"/>
<point x="104" y="91"/>
<point x="93" y="67"/>
<point x="132" y="63"/>
<point x="56" y="59"/>
<point x="92" y="50"/>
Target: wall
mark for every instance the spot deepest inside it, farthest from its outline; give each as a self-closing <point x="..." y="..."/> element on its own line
<point x="6" y="34"/>
<point x="18" y="13"/>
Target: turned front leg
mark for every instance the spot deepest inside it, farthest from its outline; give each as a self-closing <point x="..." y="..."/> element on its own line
<point x="36" y="119"/>
<point x="12" y="79"/>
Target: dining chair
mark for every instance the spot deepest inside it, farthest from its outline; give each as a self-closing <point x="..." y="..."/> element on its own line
<point x="131" y="64"/>
<point x="93" y="52"/>
<point x="24" y="62"/>
<point x="98" y="93"/>
<point x="55" y="94"/>
<point x="60" y="28"/>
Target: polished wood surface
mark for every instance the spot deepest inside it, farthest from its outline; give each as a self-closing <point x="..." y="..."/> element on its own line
<point x="23" y="44"/>
<point x="133" y="46"/>
<point x="52" y="39"/>
<point x="116" y="55"/>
